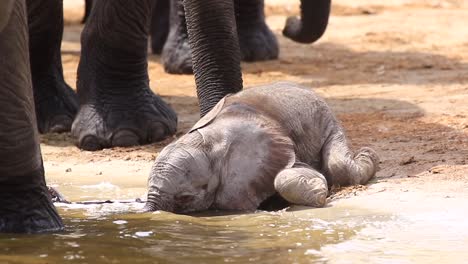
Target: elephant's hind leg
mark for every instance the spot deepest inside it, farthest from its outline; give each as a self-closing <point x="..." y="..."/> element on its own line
<point x="159" y="25"/>
<point x="117" y="106"/>
<point x="25" y="205"/>
<point x="176" y="55"/>
<point x="257" y="42"/>
<point x="342" y="168"/>
<point x="56" y="103"/>
<point x="302" y="185"/>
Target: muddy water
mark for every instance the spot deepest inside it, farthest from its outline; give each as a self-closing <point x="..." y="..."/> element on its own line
<point x="100" y="234"/>
<point x="338" y="234"/>
<point x="341" y="233"/>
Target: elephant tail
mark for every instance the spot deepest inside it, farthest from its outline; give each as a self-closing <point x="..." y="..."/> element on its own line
<point x="312" y="24"/>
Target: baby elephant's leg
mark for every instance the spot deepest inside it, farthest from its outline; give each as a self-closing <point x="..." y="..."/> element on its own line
<point x="343" y="168"/>
<point x="302" y="185"/>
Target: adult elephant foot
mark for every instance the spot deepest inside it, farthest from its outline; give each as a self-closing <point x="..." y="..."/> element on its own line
<point x="26" y="206"/>
<point x="123" y="120"/>
<point x="176" y="56"/>
<point x="56" y="104"/>
<point x="257" y="42"/>
<point x="117" y="107"/>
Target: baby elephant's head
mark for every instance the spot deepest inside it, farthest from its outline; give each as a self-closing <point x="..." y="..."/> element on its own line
<point x="181" y="179"/>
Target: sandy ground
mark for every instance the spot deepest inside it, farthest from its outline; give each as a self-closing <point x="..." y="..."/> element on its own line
<point x="395" y="73"/>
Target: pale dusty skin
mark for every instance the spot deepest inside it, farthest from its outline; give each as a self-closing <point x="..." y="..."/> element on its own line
<point x="277" y="137"/>
<point x="395" y="74"/>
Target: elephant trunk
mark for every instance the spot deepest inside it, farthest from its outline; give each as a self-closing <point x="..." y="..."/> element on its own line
<point x="313" y="22"/>
<point x="155" y="202"/>
<point x="215" y="50"/>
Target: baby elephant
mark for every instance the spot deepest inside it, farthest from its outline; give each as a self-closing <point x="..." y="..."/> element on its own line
<point x="278" y="138"/>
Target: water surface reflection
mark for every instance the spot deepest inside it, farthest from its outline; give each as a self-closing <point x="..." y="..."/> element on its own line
<point x="102" y="234"/>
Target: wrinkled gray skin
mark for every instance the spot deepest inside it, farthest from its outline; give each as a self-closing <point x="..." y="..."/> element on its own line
<point x="257" y="41"/>
<point x="274" y="138"/>
<point x="25" y="205"/>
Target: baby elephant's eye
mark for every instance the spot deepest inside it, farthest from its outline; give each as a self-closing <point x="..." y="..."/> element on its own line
<point x="183" y="198"/>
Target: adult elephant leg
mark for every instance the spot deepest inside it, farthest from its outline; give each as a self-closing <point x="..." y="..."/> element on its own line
<point x="56" y="103"/>
<point x="159" y="25"/>
<point x="312" y="24"/>
<point x="25" y="205"/>
<point x="117" y="107"/>
<point x="176" y="54"/>
<point x="257" y="42"/>
<point x="214" y="43"/>
<point x="88" y="6"/>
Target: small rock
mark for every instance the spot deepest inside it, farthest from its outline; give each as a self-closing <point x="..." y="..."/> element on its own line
<point x="427" y="66"/>
<point x="368" y="12"/>
<point x="68" y="170"/>
<point x="436" y="170"/>
<point x="380" y="70"/>
<point x="407" y="161"/>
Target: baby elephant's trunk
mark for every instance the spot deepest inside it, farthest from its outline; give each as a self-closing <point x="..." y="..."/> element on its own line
<point x="155" y="202"/>
<point x="342" y="168"/>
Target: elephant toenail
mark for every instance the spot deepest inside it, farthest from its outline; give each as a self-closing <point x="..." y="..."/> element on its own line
<point x="60" y="124"/>
<point x="156" y="132"/>
<point x="90" y="143"/>
<point x="125" y="138"/>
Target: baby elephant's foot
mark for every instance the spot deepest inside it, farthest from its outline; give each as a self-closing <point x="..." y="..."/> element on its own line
<point x="369" y="160"/>
<point x="302" y="186"/>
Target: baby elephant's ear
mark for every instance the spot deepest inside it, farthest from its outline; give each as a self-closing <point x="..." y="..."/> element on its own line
<point x="210" y="116"/>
